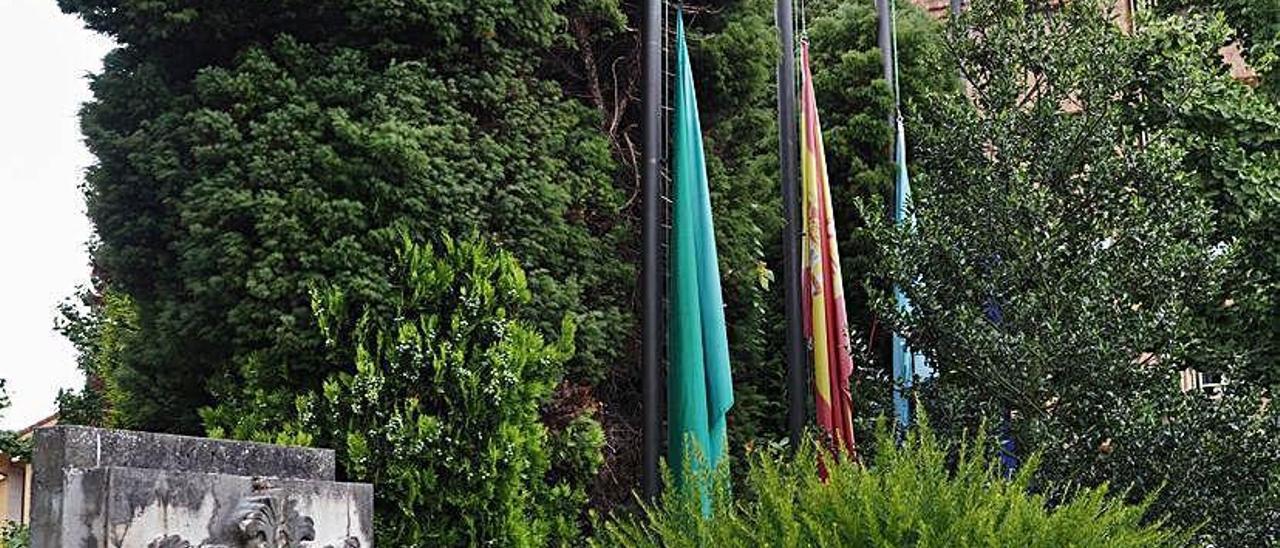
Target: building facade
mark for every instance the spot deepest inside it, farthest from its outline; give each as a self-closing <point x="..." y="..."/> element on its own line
<point x="15" y="480"/>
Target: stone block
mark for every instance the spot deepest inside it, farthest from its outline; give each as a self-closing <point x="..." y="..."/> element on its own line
<point x="84" y="447"/>
<point x="110" y="489"/>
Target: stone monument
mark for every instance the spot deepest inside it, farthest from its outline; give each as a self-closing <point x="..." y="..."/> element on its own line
<point x="116" y="489"/>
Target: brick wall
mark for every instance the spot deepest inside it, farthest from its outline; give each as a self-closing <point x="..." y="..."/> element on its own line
<point x="937" y="8"/>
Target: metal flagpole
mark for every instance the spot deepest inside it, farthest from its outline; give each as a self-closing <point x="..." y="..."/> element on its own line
<point x="885" y="41"/>
<point x="788" y="162"/>
<point x="651" y="234"/>
<point x="902" y="364"/>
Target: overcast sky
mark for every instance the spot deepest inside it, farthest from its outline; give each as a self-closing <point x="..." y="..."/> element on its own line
<point x="44" y="58"/>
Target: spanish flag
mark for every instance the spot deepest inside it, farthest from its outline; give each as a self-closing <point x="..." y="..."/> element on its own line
<point x="826" y="323"/>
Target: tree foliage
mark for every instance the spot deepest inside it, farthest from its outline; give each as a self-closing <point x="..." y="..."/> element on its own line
<point x="103" y="326"/>
<point x="1231" y="134"/>
<point x="1066" y="255"/>
<point x="14" y="535"/>
<point x="9" y="443"/>
<point x="1256" y="26"/>
<point x="242" y="160"/>
<point x="441" y="409"/>
<point x="1097" y="210"/>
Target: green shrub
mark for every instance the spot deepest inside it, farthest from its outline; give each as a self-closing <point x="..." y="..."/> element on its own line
<point x="14" y="535"/>
<point x="441" y="409"/>
<point x="909" y="496"/>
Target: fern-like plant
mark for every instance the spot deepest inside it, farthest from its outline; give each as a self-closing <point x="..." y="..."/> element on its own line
<point x="909" y="495"/>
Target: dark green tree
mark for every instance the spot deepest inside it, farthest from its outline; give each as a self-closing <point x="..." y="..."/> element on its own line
<point x="1064" y="255"/>
<point x="249" y="152"/>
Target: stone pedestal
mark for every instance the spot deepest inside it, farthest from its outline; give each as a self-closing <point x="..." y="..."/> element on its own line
<point x="107" y="488"/>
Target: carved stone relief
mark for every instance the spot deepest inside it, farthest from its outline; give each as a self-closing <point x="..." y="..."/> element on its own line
<point x="261" y="521"/>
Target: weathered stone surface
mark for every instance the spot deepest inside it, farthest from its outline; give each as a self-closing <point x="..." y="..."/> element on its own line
<point x="102" y="488"/>
<point x="146" y="506"/>
<point x="84" y="447"/>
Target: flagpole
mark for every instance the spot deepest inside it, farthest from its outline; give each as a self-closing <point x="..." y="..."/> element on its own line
<point x="902" y="361"/>
<point x="651" y="235"/>
<point x="885" y="41"/>
<point x="788" y="162"/>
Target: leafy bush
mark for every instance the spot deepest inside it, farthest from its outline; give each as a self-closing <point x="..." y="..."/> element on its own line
<point x="908" y="496"/>
<point x="440" y="406"/>
<point x="1214" y="460"/>
<point x="14" y="535"/>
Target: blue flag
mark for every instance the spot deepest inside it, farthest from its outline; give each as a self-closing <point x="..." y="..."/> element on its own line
<point x="906" y="364"/>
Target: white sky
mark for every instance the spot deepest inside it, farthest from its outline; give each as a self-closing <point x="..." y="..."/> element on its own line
<point x="44" y="58"/>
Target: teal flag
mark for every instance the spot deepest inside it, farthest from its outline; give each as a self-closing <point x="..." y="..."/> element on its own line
<point x="699" y="385"/>
<point x="905" y="362"/>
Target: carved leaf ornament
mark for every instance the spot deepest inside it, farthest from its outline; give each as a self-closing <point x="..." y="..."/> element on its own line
<point x="261" y="521"/>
